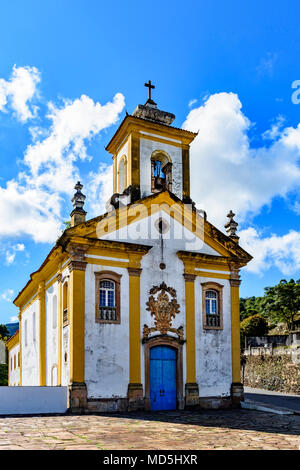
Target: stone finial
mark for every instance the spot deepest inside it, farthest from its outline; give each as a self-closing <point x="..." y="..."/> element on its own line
<point x="78" y="213"/>
<point x="231" y="226"/>
<point x="78" y="198"/>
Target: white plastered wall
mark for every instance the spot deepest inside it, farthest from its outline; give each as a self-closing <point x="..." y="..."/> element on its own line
<point x="213" y="347"/>
<point x="51" y="334"/>
<point x="106" y="345"/>
<point x="30" y="345"/>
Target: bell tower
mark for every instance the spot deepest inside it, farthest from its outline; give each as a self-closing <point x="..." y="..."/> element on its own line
<point x="149" y="155"/>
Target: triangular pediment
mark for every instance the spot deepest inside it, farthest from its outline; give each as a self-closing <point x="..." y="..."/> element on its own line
<point x="100" y="227"/>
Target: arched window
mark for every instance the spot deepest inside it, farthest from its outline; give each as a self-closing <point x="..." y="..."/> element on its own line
<point x="122" y="174"/>
<point x="65" y="304"/>
<point x="161" y="171"/>
<point x="107" y="297"/>
<point x="212" y="295"/>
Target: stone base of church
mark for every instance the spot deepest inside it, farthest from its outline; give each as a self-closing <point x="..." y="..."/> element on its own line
<point x="135" y="396"/>
<point x="77" y="398"/>
<point x="79" y="403"/>
<point x="106" y="405"/>
<point x="191" y="396"/>
<point x="237" y="394"/>
<point x="214" y="403"/>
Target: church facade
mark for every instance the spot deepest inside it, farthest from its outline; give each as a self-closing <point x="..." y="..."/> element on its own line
<point x="137" y="308"/>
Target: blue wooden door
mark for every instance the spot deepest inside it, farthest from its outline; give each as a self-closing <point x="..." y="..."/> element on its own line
<point x="163" y="378"/>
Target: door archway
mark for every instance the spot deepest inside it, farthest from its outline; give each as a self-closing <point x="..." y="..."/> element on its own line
<point x="163" y="373"/>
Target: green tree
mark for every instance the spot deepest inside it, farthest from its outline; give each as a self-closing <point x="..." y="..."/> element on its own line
<point x="3" y="375"/>
<point x="281" y="303"/>
<point x="250" y="306"/>
<point x="253" y="326"/>
<point x="4" y="333"/>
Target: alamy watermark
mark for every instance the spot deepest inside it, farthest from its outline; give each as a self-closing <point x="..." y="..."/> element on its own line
<point x="296" y="94"/>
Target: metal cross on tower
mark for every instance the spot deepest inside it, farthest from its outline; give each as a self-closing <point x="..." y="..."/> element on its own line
<point x="150" y="87"/>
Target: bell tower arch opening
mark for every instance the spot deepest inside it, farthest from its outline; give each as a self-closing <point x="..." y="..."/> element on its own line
<point x="161" y="171"/>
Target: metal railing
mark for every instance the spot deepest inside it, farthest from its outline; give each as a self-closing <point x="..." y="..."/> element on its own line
<point x="65" y="315"/>
<point x="108" y="313"/>
<point x="212" y="320"/>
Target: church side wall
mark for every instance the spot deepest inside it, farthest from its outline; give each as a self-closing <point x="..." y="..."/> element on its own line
<point x="14" y="369"/>
<point x="106" y="345"/>
<point x="147" y="147"/>
<point x="30" y="345"/>
<point x="213" y="347"/>
<point x="51" y="334"/>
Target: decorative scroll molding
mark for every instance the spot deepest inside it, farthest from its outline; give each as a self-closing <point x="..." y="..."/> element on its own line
<point x="163" y="308"/>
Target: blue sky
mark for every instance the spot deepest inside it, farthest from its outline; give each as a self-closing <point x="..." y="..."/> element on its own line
<point x="225" y="68"/>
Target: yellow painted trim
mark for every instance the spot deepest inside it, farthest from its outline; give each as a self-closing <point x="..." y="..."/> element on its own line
<point x="8" y="368"/>
<point x="20" y="343"/>
<point x="160" y="140"/>
<point x="129" y="170"/>
<point x="106" y="262"/>
<point x="134" y="330"/>
<point x="107" y="253"/>
<point x="217" y="266"/>
<point x="34" y="299"/>
<point x="185" y="172"/>
<point x="13" y="341"/>
<point x="212" y="275"/>
<point x="190" y="331"/>
<point x="132" y="124"/>
<point x="59" y="329"/>
<point x="77" y="325"/>
<point x="135" y="159"/>
<point x="42" y="333"/>
<point x="235" y="334"/>
<point x="115" y="173"/>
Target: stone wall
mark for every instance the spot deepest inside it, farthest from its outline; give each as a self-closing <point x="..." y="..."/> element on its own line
<point x="279" y="373"/>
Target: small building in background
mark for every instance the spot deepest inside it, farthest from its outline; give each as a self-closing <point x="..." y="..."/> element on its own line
<point x="2" y="352"/>
<point x="13" y="348"/>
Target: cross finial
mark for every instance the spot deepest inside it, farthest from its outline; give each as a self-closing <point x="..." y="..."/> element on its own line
<point x="150" y="87"/>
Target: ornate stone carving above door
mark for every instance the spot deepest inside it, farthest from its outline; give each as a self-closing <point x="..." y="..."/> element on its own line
<point x="163" y="307"/>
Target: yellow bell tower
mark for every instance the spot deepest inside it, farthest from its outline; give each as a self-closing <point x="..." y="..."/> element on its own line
<point x="149" y="155"/>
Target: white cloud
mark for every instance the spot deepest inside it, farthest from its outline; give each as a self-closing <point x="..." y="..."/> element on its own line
<point x="226" y="172"/>
<point x="10" y="253"/>
<point x="192" y="102"/>
<point x="7" y="295"/>
<point x="280" y="251"/>
<point x="14" y="319"/>
<point x="100" y="188"/>
<point x="276" y="129"/>
<point x="19" y="91"/>
<point x="32" y="203"/>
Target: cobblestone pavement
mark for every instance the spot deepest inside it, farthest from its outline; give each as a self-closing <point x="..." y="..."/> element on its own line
<point x="230" y="429"/>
